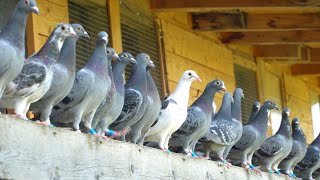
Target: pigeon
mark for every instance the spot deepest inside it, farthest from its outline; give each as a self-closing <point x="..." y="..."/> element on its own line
<point x="173" y="112"/>
<point x="298" y="151"/>
<point x="310" y="162"/>
<point x="253" y="135"/>
<point x="91" y="85"/>
<point x="254" y="111"/>
<point x="37" y="73"/>
<point x="236" y="118"/>
<point x="116" y="107"/>
<point x="135" y="95"/>
<point x="198" y="119"/>
<point x="63" y="77"/>
<point x="277" y="147"/>
<point x="140" y="128"/>
<point x="12" y="42"/>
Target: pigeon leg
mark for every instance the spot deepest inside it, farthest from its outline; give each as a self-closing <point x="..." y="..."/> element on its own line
<point x="19" y="109"/>
<point x="77" y="120"/>
<point x="88" y="122"/>
<point x="45" y="115"/>
<point x="162" y="142"/>
<point x="166" y="143"/>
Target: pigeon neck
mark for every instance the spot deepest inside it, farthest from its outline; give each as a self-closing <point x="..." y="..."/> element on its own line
<point x="138" y="79"/>
<point x="67" y="55"/>
<point x="110" y="71"/>
<point x="99" y="61"/>
<point x="206" y="99"/>
<point x="225" y="110"/>
<point x="14" y="30"/>
<point x="152" y="88"/>
<point x="298" y="135"/>
<point x="285" y="128"/>
<point x="181" y="93"/>
<point x="253" y="114"/>
<point x="118" y="75"/>
<point x="261" y="120"/>
<point x="316" y="142"/>
<point x="236" y="107"/>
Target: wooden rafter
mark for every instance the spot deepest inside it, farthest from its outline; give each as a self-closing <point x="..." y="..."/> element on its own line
<point x="290" y="51"/>
<point x="306" y="69"/>
<point x="240" y="21"/>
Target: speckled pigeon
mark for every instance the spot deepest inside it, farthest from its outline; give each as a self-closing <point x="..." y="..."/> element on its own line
<point x="254" y="111"/>
<point x="310" y="162"/>
<point x="63" y="76"/>
<point x="91" y="85"/>
<point x="12" y="42"/>
<point x="277" y="147"/>
<point x="298" y="151"/>
<point x="140" y="128"/>
<point x="198" y="119"/>
<point x="236" y="118"/>
<point x="37" y="73"/>
<point x="135" y="95"/>
<point x="173" y="112"/>
<point x="253" y="135"/>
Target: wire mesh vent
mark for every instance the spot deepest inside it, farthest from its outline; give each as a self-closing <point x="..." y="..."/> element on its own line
<point x="246" y="79"/>
<point x="139" y="34"/>
<point x="93" y="18"/>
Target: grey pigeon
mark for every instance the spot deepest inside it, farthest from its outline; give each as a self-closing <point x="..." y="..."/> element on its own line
<point x="277" y="147"/>
<point x="135" y="95"/>
<point x="140" y="128"/>
<point x="91" y="85"/>
<point x="116" y="107"/>
<point x="198" y="119"/>
<point x="253" y="135"/>
<point x="254" y="111"/>
<point x="37" y="73"/>
<point x="298" y="151"/>
<point x="63" y="76"/>
<point x="173" y="112"/>
<point x="12" y="42"/>
<point x="310" y="162"/>
<point x="236" y="118"/>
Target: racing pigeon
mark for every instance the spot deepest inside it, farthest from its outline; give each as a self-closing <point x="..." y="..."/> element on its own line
<point x="253" y="135"/>
<point x="298" y="151"/>
<point x="12" y="42"/>
<point x="135" y="95"/>
<point x="89" y="89"/>
<point x="277" y="147"/>
<point x="63" y="77"/>
<point x="140" y="128"/>
<point x="198" y="119"/>
<point x="173" y="112"/>
<point x="37" y="73"/>
<point x="310" y="162"/>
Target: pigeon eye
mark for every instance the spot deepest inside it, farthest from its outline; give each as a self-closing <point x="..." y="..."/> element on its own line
<point x="271" y="103"/>
<point x="189" y="74"/>
<point x="27" y="2"/>
<point x="218" y="83"/>
<point x="125" y="56"/>
<point x="63" y="28"/>
<point x="147" y="57"/>
<point x="78" y="29"/>
<point x="108" y="51"/>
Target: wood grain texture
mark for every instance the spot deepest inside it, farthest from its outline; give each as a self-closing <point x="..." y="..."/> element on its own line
<point x="290" y="51"/>
<point x="32" y="151"/>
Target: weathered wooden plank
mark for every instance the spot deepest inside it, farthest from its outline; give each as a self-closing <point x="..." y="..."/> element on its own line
<point x="290" y="51"/>
<point x="209" y="5"/>
<point x="315" y="54"/>
<point x="115" y="25"/>
<point x="306" y="69"/>
<point x="195" y="48"/>
<point x="265" y="37"/>
<point x="296" y="87"/>
<point x="40" y="152"/>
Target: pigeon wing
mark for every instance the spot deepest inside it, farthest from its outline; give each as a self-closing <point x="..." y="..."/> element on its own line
<point x="249" y="136"/>
<point x="310" y="159"/>
<point x="271" y="146"/>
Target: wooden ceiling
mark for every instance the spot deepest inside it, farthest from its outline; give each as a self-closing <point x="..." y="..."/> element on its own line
<point x="277" y="29"/>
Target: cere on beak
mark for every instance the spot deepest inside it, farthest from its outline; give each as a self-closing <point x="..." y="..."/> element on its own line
<point x="105" y="39"/>
<point x="72" y="32"/>
<point x="35" y="10"/>
<point x="133" y="61"/>
<point x="151" y="64"/>
<point x="116" y="57"/>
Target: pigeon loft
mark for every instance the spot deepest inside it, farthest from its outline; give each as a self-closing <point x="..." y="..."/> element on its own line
<point x="38" y="152"/>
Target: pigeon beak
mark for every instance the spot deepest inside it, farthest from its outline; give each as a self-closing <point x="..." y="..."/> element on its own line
<point x="242" y="96"/>
<point x="151" y="64"/>
<point x="199" y="79"/>
<point x="86" y="35"/>
<point x="35" y="10"/>
<point x="133" y="61"/>
<point x="116" y="57"/>
<point x="72" y="32"/>
<point x="277" y="108"/>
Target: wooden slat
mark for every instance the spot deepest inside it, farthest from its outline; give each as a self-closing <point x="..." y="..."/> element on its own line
<point x="115" y="24"/>
<point x="315" y="55"/>
<point x="306" y="69"/>
<point x="266" y="37"/>
<point x="289" y="51"/>
<point x="240" y="21"/>
<point x="209" y="5"/>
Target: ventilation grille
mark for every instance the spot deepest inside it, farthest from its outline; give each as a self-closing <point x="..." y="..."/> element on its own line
<point x="94" y="19"/>
<point x="246" y="79"/>
<point x="139" y="34"/>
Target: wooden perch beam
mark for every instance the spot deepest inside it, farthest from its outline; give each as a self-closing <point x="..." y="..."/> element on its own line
<point x="290" y="51"/>
<point x="209" y="5"/>
<point x="240" y="21"/>
<point x="271" y="37"/>
<point x="305" y="69"/>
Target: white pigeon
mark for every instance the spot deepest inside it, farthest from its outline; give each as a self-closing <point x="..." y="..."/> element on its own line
<point x="173" y="112"/>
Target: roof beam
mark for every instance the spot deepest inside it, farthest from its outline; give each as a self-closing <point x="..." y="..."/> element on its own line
<point x="290" y="51"/>
<point x="240" y="21"/>
<point x="271" y="37"/>
<point x="209" y="5"/>
<point x="305" y="69"/>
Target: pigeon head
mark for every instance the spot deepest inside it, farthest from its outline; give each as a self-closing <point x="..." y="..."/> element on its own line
<point x="239" y="92"/>
<point x="269" y="104"/>
<point x="127" y="58"/>
<point x="295" y="123"/>
<point x="103" y="38"/>
<point x="228" y="96"/>
<point x="80" y="31"/>
<point x="256" y="106"/>
<point x="112" y="54"/>
<point x="190" y="75"/>
<point x="143" y="59"/>
<point x="28" y="6"/>
<point x="286" y="112"/>
<point x="63" y="31"/>
<point x="217" y="84"/>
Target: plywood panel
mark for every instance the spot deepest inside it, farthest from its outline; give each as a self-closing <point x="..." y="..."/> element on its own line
<point x="307" y="128"/>
<point x="296" y="87"/>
